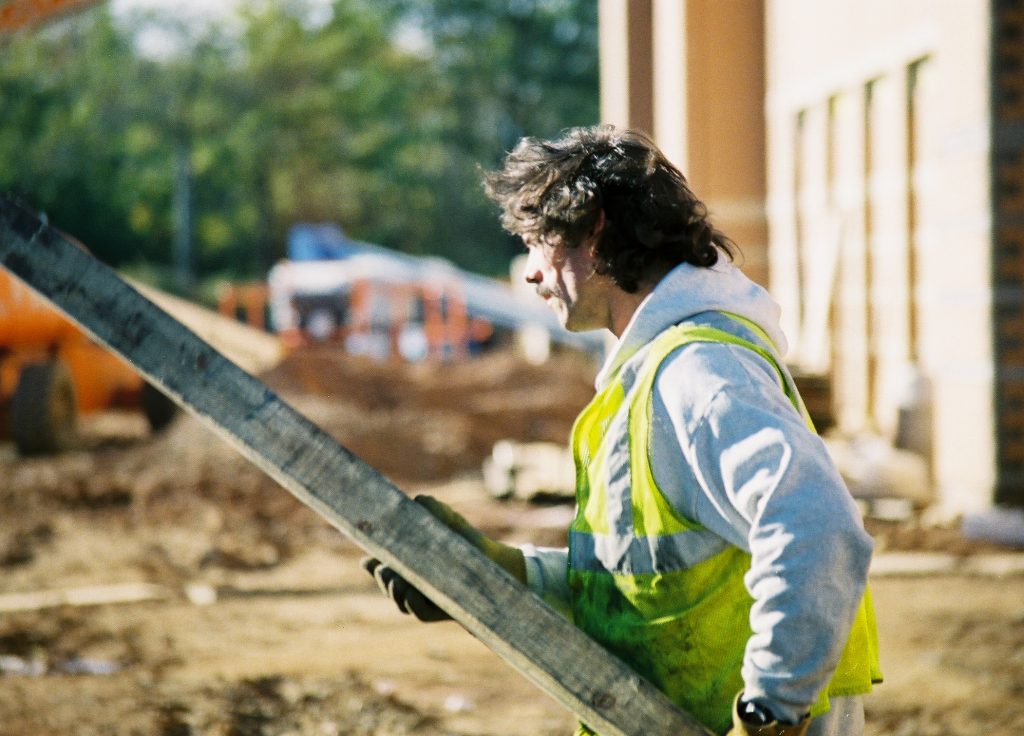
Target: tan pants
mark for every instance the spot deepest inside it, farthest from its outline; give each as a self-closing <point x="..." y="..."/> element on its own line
<point x="846" y="718"/>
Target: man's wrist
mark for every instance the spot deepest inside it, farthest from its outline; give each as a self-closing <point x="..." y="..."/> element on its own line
<point x="757" y="712"/>
<point x="754" y="713"/>
<point x="752" y="718"/>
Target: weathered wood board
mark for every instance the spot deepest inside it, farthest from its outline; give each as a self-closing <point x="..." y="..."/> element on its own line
<point x="352" y="496"/>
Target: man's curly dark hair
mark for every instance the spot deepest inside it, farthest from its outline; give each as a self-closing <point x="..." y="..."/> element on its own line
<point x="653" y="222"/>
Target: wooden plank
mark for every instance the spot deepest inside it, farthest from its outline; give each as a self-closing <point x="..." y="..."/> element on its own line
<point x="352" y="496"/>
<point x="251" y="349"/>
<point x="91" y="595"/>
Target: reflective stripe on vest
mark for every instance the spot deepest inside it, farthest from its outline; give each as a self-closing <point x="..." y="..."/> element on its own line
<point x="654" y="587"/>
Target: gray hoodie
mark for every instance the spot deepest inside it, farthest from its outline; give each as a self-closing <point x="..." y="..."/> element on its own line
<point x="730" y="452"/>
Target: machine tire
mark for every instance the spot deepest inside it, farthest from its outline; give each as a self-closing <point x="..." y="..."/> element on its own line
<point x="157" y="408"/>
<point x="44" y="413"/>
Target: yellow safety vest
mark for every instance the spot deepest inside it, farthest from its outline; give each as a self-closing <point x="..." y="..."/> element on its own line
<point x="673" y="604"/>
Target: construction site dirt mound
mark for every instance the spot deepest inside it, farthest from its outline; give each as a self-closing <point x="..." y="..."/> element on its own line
<point x="428" y="421"/>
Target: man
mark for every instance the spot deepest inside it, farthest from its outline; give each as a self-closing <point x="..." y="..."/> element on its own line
<point x="715" y="548"/>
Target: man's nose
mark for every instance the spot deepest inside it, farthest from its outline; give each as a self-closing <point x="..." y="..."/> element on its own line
<point x="532" y="272"/>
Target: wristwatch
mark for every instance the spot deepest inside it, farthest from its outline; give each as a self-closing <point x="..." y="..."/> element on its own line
<point x="754" y="713"/>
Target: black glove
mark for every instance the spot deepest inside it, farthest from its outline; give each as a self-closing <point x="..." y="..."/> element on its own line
<point x="408" y="598"/>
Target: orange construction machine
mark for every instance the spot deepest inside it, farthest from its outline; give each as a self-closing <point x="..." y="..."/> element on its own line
<point x="51" y="371"/>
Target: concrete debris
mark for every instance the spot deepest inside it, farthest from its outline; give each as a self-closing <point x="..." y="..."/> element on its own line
<point x="873" y="468"/>
<point x="199" y="594"/>
<point x="998" y="524"/>
<point x="888" y="509"/>
<point x="924" y="564"/>
<point x="458" y="704"/>
<point x="90" y="666"/>
<point x="93" y="595"/>
<point x="530" y="471"/>
<point x="20" y="666"/>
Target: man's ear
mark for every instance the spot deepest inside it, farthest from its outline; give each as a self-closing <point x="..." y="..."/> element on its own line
<point x="596" y="230"/>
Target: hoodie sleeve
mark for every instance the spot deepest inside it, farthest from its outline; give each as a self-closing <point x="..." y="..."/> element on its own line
<point x="730" y="452"/>
<point x="547" y="575"/>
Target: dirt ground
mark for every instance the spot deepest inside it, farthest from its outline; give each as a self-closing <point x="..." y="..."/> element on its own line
<point x="255" y="618"/>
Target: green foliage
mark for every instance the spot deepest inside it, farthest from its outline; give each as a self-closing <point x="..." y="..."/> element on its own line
<point x="376" y="116"/>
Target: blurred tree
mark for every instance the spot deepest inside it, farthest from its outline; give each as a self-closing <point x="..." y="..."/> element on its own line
<point x="510" y="68"/>
<point x="374" y="115"/>
<point x="334" y="124"/>
<point x="62" y="125"/>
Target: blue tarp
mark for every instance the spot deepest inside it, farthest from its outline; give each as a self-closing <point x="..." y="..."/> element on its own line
<point x="319" y="242"/>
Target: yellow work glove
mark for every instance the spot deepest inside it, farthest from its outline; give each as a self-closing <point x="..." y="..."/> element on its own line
<point x="408" y="598"/>
<point x="748" y="725"/>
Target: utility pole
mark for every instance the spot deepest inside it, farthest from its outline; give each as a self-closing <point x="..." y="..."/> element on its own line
<point x="183" y="277"/>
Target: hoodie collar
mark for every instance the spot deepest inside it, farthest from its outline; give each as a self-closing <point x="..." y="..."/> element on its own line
<point x="685" y="292"/>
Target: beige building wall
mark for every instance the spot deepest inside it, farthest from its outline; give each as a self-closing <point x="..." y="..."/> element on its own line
<point x="875" y="184"/>
<point x="880" y="220"/>
<point x="691" y="73"/>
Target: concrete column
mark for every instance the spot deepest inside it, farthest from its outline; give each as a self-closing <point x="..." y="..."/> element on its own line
<point x="691" y="72"/>
<point x="782" y="217"/>
<point x="725" y="118"/>
<point x="815" y="239"/>
<point x="671" y="80"/>
<point x="849" y="363"/>
<point x="626" y="65"/>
